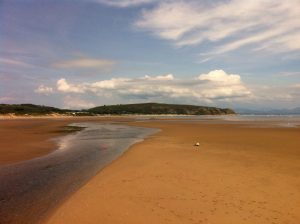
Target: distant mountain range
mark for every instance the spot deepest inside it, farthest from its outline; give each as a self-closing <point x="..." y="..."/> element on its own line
<point x="293" y="111"/>
<point x="142" y="108"/>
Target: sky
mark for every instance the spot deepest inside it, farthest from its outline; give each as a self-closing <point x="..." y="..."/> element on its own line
<point x="84" y="53"/>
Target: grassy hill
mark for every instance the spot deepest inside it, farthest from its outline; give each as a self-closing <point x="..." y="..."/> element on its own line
<point x="158" y="108"/>
<point x="31" y="109"/>
<point x="142" y="108"/>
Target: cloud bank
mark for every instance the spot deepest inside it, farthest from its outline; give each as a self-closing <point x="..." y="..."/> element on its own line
<point x="212" y="87"/>
<point x="215" y="88"/>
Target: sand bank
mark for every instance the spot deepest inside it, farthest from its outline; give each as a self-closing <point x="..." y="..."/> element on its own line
<point x="237" y="175"/>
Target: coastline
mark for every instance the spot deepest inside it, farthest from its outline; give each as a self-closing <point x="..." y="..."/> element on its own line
<point x="233" y="177"/>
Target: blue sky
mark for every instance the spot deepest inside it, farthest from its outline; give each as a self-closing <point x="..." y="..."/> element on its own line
<point x="83" y="53"/>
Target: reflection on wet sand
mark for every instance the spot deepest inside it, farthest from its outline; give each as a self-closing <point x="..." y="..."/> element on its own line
<point x="30" y="189"/>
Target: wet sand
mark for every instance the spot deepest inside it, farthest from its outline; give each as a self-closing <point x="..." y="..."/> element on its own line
<point x="30" y="190"/>
<point x="25" y="139"/>
<point x="22" y="138"/>
<point x="239" y="174"/>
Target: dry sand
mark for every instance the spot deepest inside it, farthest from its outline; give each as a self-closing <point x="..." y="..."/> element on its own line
<point x="237" y="175"/>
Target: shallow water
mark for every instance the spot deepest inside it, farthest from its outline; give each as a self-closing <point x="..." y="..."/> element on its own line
<point x="262" y="121"/>
<point x="30" y="190"/>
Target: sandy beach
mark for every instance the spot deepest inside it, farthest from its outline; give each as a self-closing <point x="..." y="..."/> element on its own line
<point x="239" y="174"/>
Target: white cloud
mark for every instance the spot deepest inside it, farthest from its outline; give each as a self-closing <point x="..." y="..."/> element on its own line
<point x="270" y="25"/>
<point x="219" y="76"/>
<point x="223" y="85"/>
<point x="63" y="86"/>
<point x="167" y="77"/>
<point x="108" y="84"/>
<point x="215" y="85"/>
<point x="85" y="63"/>
<point x="42" y="89"/>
